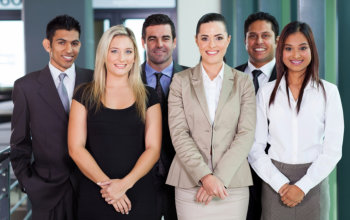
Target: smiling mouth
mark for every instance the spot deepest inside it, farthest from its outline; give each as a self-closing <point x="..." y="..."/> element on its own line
<point x="68" y="58"/>
<point x="296" y="62"/>
<point x="259" y="49"/>
<point x="211" y="53"/>
<point x="120" y="66"/>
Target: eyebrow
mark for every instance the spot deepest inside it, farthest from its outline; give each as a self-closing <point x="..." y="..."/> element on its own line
<point x="128" y="48"/>
<point x="302" y="44"/>
<point x="152" y="36"/>
<point x="206" y="35"/>
<point x="62" y="39"/>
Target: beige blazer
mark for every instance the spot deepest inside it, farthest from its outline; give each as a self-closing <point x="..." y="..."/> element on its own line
<point x="229" y="139"/>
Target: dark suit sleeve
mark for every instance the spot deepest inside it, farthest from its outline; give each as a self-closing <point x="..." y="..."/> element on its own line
<point x="21" y="143"/>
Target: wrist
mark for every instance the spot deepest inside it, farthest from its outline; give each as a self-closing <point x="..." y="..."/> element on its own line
<point x="128" y="182"/>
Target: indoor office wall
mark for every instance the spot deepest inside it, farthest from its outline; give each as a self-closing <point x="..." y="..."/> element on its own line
<point x="321" y="15"/>
<point x="36" y="15"/>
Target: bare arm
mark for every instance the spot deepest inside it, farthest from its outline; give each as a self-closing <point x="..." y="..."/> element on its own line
<point x="77" y="133"/>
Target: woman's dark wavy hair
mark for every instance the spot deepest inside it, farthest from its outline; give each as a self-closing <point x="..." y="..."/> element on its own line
<point x="311" y="72"/>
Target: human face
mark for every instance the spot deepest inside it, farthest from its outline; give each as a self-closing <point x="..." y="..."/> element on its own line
<point x="159" y="45"/>
<point x="121" y="56"/>
<point x="260" y="43"/>
<point x="212" y="41"/>
<point x="296" y="53"/>
<point x="63" y="49"/>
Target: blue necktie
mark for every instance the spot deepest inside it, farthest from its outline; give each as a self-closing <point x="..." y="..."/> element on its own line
<point x="62" y="92"/>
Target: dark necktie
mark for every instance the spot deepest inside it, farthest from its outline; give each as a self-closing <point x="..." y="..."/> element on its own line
<point x="159" y="89"/>
<point x="256" y="73"/>
<point x="62" y="92"/>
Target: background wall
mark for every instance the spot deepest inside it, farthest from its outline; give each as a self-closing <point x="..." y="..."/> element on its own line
<point x="188" y="14"/>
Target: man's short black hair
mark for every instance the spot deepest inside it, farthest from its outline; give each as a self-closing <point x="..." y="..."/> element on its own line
<point x="64" y="22"/>
<point x="157" y="19"/>
<point x="262" y="16"/>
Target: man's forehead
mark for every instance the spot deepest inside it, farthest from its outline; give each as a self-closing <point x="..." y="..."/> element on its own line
<point x="159" y="30"/>
<point x="66" y="34"/>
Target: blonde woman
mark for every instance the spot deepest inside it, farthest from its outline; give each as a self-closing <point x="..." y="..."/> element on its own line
<point x="114" y="134"/>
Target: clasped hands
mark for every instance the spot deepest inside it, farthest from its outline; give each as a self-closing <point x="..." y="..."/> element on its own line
<point x="211" y="187"/>
<point x="113" y="191"/>
<point x="291" y="195"/>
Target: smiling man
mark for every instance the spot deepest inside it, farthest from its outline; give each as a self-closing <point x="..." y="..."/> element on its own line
<point x="39" y="152"/>
<point x="159" y="41"/>
<point x="261" y="36"/>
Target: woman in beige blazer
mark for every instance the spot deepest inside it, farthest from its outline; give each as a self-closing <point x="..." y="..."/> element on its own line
<point x="212" y="123"/>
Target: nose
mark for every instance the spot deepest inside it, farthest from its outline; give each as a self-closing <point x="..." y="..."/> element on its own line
<point x="212" y="43"/>
<point x="259" y="39"/>
<point x="69" y="48"/>
<point x="121" y="57"/>
<point x="159" y="43"/>
<point x="296" y="54"/>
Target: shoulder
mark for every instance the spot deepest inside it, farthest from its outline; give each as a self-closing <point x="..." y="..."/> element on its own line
<point x="241" y="67"/>
<point x="330" y="88"/>
<point x="29" y="78"/>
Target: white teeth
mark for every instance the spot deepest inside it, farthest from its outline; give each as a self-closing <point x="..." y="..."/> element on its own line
<point x="259" y="49"/>
<point x="212" y="52"/>
<point x="68" y="58"/>
<point x="296" y="61"/>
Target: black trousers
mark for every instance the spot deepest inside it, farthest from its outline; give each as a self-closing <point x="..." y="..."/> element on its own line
<point x="254" y="207"/>
<point x="64" y="210"/>
<point x="165" y="202"/>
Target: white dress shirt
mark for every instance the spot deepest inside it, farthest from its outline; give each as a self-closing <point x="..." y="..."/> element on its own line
<point x="314" y="135"/>
<point x="266" y="71"/>
<point x="212" y="90"/>
<point x="68" y="81"/>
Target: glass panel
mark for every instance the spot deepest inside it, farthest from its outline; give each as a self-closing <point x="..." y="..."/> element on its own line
<point x="136" y="26"/>
<point x="11" y="52"/>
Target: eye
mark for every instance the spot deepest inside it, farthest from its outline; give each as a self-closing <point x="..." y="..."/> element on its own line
<point x="129" y="51"/>
<point x="75" y="43"/>
<point x="219" y="38"/>
<point x="114" y="51"/>
<point x="166" y="38"/>
<point x="265" y="36"/>
<point x="287" y="48"/>
<point x="61" y="42"/>
<point x="304" y="48"/>
<point x="151" y="38"/>
<point x="251" y="36"/>
<point x="204" y="38"/>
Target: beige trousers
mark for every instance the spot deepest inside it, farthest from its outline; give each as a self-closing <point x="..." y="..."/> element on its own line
<point x="233" y="207"/>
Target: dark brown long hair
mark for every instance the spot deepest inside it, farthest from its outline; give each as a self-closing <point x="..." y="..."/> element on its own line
<point x="311" y="72"/>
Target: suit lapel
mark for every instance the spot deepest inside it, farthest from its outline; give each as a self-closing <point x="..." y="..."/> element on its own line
<point x="48" y="92"/>
<point x="197" y="83"/>
<point x="273" y="74"/>
<point x="226" y="89"/>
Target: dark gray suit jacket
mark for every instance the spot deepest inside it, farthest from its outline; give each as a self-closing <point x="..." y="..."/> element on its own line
<point x="39" y="128"/>
<point x="243" y="66"/>
<point x="167" y="152"/>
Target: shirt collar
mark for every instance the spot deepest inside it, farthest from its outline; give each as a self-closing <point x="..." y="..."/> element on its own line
<point x="56" y="72"/>
<point x="168" y="71"/>
<point x="220" y="75"/>
<point x="266" y="69"/>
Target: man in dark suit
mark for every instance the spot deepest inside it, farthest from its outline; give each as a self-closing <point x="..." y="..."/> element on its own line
<point x="159" y="41"/>
<point x="261" y="36"/>
<point x="39" y="152"/>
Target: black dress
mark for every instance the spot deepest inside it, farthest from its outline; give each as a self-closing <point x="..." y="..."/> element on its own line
<point x="116" y="139"/>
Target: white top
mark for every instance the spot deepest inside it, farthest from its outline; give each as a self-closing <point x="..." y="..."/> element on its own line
<point x="212" y="90"/>
<point x="266" y="69"/>
<point x="314" y="135"/>
<point x="69" y="80"/>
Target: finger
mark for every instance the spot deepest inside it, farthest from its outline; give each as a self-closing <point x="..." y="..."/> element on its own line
<point x="205" y="198"/>
<point x="125" y="206"/>
<point x="116" y="207"/>
<point x="208" y="200"/>
<point x="199" y="193"/>
<point x="111" y="201"/>
<point x="201" y="196"/>
<point x="225" y="192"/>
<point x="104" y="183"/>
<point x="120" y="207"/>
<point x="128" y="202"/>
<point x="221" y="194"/>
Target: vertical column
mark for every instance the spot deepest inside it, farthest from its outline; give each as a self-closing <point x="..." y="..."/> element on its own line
<point x="36" y="15"/>
<point x="344" y="88"/>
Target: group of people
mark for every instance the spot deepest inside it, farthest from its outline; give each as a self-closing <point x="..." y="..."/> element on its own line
<point x="160" y="140"/>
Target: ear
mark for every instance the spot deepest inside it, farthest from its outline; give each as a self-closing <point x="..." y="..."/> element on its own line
<point x="195" y="39"/>
<point x="174" y="43"/>
<point x="228" y="39"/>
<point x="277" y="38"/>
<point x="47" y="45"/>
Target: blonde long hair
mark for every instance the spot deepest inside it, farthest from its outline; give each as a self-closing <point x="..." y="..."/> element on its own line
<point x="95" y="92"/>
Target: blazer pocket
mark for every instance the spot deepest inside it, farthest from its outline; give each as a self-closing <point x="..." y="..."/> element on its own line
<point x="43" y="172"/>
